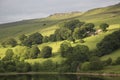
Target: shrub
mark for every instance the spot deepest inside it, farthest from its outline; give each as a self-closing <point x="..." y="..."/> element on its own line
<point x="46" y="52"/>
<point x="85" y="66"/>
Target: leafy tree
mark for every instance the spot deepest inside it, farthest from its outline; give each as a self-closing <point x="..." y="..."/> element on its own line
<point x="34" y="52"/>
<point x="78" y="33"/>
<point x="110" y="43"/>
<point x="45" y="39"/>
<point x="73" y="66"/>
<point x="85" y="66"/>
<point x="89" y="27"/>
<point x="80" y="53"/>
<point x="2" y="68"/>
<point x="46" y="52"/>
<point x="22" y="38"/>
<point x="36" y="38"/>
<point x="104" y="26"/>
<point x="108" y="61"/>
<point x="23" y="67"/>
<point x="48" y="65"/>
<point x="52" y="38"/>
<point x="10" y="42"/>
<point x="71" y="39"/>
<point x="10" y="68"/>
<point x="72" y="24"/>
<point x="27" y="42"/>
<point x="35" y="67"/>
<point x="62" y="33"/>
<point x="65" y="49"/>
<point x="96" y="61"/>
<point x="27" y="53"/>
<point x="8" y="55"/>
<point x="117" y="61"/>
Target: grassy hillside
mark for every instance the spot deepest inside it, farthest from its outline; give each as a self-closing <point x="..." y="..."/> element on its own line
<point x="109" y="15"/>
<point x="47" y="26"/>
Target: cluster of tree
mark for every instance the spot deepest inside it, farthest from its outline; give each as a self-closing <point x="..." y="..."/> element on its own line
<point x="109" y="44"/>
<point x="34" y="52"/>
<point x="75" y="55"/>
<point x="10" y="42"/>
<point x="35" y="38"/>
<point x="91" y="65"/>
<point x="72" y="30"/>
<point x="22" y="66"/>
<point x="12" y="63"/>
<point x="30" y="53"/>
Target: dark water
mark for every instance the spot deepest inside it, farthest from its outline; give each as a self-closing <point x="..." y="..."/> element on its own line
<point x="55" y="77"/>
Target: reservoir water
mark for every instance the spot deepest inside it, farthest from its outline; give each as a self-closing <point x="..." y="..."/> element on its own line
<point x="55" y="77"/>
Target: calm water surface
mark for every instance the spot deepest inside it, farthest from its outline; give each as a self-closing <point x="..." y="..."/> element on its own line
<point x="55" y="77"/>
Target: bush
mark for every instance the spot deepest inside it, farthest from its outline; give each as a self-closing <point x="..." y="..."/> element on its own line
<point x="45" y="39"/>
<point x="9" y="42"/>
<point x="35" y="38"/>
<point x="104" y="26"/>
<point x="96" y="63"/>
<point x="65" y="49"/>
<point x="8" y="55"/>
<point x="117" y="61"/>
<point x="85" y="66"/>
<point x="46" y="52"/>
<point x="23" y="67"/>
<point x="108" y="61"/>
<point x="34" y="52"/>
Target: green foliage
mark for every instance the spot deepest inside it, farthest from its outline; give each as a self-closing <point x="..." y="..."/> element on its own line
<point x="22" y="38"/>
<point x="52" y="38"/>
<point x="62" y="33"/>
<point x="34" y="52"/>
<point x="9" y="42"/>
<point x="117" y="61"/>
<point x="108" y="61"/>
<point x="71" y="24"/>
<point x="48" y="65"/>
<point x="45" y="39"/>
<point x="65" y="49"/>
<point x="46" y="52"/>
<point x="2" y="66"/>
<point x="89" y="27"/>
<point x="110" y="43"/>
<point x="78" y="33"/>
<point x="23" y="67"/>
<point x="36" y="67"/>
<point x="96" y="61"/>
<point x="27" y="52"/>
<point x="104" y="26"/>
<point x="79" y="53"/>
<point x="8" y="55"/>
<point x="35" y="38"/>
<point x="85" y="66"/>
<point x="74" y="65"/>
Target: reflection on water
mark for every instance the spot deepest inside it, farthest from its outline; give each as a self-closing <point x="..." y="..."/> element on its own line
<point x="55" y="77"/>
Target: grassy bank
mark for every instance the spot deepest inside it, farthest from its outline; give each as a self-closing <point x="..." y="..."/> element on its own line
<point x="54" y="73"/>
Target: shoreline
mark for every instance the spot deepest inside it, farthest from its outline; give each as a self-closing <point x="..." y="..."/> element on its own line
<point x="56" y="73"/>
